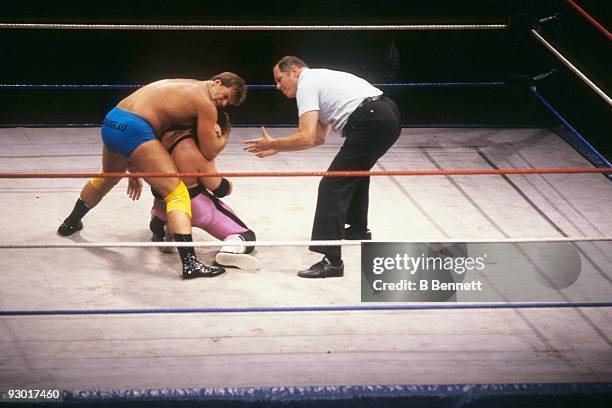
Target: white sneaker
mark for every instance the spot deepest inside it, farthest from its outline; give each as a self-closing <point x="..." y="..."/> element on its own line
<point x="242" y="261"/>
<point x="234" y="255"/>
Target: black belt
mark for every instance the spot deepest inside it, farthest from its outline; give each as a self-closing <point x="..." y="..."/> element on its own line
<point x="353" y="115"/>
<point x="370" y="99"/>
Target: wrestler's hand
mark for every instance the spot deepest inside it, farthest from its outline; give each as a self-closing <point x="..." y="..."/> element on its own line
<point x="218" y="130"/>
<point x="261" y="147"/>
<point x="224" y="122"/>
<point x="134" y="188"/>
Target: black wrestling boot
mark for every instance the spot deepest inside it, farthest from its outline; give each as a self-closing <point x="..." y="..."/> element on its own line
<point x="73" y="222"/>
<point x="69" y="227"/>
<point x="323" y="269"/>
<point x="192" y="268"/>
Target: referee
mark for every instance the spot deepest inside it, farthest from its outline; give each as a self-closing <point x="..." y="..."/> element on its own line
<point x="369" y="122"/>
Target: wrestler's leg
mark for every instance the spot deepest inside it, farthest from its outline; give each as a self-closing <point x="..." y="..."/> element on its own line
<point x="215" y="217"/>
<point x="152" y="157"/>
<point x="93" y="191"/>
<point x="159" y="225"/>
<point x="97" y="188"/>
<point x="218" y="219"/>
<point x="211" y="214"/>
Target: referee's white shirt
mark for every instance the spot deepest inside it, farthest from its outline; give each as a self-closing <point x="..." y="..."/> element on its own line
<point x="334" y="94"/>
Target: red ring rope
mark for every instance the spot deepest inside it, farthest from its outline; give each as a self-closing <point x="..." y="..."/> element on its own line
<point x="590" y="19"/>
<point x="354" y="173"/>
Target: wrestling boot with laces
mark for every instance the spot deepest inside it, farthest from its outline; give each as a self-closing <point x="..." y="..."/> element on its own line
<point x="194" y="269"/>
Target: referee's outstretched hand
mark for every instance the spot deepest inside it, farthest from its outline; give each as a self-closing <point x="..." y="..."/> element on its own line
<point x="261" y="147"/>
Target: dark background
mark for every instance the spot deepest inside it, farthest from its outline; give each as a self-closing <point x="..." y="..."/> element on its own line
<point x="139" y="57"/>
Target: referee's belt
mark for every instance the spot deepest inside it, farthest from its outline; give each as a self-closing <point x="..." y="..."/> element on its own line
<point x="353" y="116"/>
<point x="369" y="100"/>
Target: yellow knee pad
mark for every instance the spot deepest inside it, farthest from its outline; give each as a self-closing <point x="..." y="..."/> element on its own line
<point x="103" y="185"/>
<point x="178" y="200"/>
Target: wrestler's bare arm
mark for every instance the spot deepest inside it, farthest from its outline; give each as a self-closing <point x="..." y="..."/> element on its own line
<point x="208" y="166"/>
<point x="210" y="141"/>
<point x="188" y="159"/>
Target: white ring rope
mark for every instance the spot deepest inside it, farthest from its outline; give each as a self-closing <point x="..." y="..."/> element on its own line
<point x="289" y="243"/>
<point x="572" y="67"/>
<point x="178" y="27"/>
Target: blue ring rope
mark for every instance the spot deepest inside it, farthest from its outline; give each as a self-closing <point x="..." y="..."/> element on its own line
<point x="588" y="147"/>
<point x="424" y="306"/>
<point x="460" y="394"/>
<point x="254" y="86"/>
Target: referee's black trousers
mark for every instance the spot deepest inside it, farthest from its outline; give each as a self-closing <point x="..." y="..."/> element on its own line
<point x="370" y="131"/>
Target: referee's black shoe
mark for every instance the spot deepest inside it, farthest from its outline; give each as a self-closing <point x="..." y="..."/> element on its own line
<point x="323" y="269"/>
<point x="351" y="233"/>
